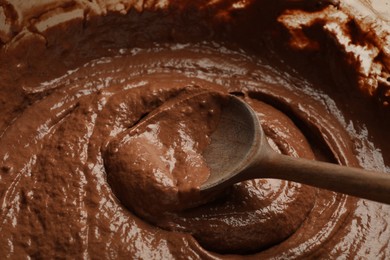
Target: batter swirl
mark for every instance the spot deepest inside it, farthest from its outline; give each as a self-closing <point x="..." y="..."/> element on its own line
<point x="56" y="160"/>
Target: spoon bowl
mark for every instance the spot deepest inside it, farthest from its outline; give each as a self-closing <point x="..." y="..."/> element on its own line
<point x="239" y="151"/>
<point x="234" y="142"/>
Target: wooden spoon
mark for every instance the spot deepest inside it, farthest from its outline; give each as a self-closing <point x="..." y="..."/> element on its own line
<point x="239" y="151"/>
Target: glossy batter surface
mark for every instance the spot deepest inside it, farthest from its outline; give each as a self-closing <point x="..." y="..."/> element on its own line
<point x="157" y="167"/>
<point x="100" y="154"/>
<point x="60" y="155"/>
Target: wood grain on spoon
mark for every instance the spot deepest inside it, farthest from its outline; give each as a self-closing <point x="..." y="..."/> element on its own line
<point x="239" y="151"/>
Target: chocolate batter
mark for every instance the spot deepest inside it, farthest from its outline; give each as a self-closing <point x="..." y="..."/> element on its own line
<point x="165" y="150"/>
<point x="90" y="169"/>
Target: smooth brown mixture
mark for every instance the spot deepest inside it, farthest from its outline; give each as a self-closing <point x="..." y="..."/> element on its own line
<point x="97" y="140"/>
<point x="157" y="166"/>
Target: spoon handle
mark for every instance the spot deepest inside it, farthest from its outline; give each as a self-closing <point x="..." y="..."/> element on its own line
<point x="352" y="181"/>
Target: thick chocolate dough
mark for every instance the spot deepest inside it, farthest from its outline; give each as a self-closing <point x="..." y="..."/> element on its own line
<point x="157" y="166"/>
<point x="73" y="96"/>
